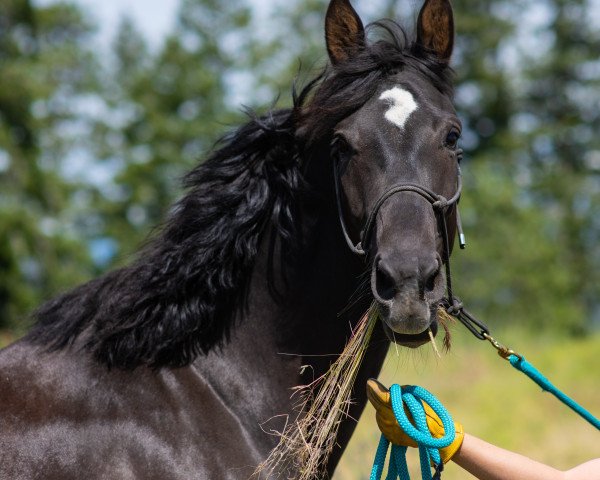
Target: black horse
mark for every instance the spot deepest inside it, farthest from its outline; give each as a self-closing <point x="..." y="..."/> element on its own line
<point x="170" y="367"/>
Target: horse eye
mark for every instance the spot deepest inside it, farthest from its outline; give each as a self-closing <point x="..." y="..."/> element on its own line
<point x="342" y="148"/>
<point x="452" y="139"/>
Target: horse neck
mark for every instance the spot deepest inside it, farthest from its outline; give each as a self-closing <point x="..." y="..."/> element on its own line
<point x="273" y="338"/>
<point x="285" y="333"/>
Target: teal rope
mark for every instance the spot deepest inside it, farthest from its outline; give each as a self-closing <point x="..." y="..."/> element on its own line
<point x="380" y="456"/>
<point x="528" y="369"/>
<point x="412" y="397"/>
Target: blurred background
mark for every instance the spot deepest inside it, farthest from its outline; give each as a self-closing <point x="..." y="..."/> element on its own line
<point x="104" y="105"/>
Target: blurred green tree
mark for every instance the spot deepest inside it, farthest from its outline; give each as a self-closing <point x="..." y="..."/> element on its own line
<point x="528" y="93"/>
<point x="562" y="100"/>
<point x="45" y="70"/>
<point x="165" y="110"/>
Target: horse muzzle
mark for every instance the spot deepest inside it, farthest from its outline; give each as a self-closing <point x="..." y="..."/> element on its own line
<point x="407" y="289"/>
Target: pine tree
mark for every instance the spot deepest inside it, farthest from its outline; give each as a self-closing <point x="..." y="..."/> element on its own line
<point x="43" y="71"/>
<point x="172" y="106"/>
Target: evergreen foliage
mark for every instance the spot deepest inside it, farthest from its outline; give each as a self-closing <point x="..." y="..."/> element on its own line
<point x="45" y="75"/>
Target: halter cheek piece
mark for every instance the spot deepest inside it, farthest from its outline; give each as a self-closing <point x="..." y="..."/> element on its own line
<point x="440" y="206"/>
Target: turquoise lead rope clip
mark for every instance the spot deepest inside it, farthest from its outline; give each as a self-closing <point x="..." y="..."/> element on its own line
<point x="534" y="374"/>
<point x="412" y="397"/>
<point x="478" y="328"/>
<point x="518" y="361"/>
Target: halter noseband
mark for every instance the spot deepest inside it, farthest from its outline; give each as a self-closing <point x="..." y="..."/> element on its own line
<point x="439" y="203"/>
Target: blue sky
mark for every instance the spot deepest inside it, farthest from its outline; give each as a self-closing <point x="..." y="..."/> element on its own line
<point x="153" y="17"/>
<point x="156" y="17"/>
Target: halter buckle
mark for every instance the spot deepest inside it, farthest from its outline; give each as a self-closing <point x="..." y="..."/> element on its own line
<point x="504" y="351"/>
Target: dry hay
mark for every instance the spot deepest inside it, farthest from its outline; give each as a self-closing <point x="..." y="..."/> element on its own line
<point x="307" y="442"/>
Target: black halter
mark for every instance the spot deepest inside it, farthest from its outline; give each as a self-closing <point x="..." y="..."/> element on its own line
<point x="439" y="204"/>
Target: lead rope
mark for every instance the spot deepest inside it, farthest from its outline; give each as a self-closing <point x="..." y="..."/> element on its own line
<point x="518" y="361"/>
<point x="412" y="397"/>
<point x="480" y="330"/>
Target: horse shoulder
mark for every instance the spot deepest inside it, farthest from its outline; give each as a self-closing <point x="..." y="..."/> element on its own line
<point x="62" y="414"/>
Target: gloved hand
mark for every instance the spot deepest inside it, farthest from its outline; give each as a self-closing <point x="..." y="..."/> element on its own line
<point x="379" y="396"/>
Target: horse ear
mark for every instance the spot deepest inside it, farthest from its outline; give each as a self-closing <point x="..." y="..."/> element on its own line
<point x="344" y="32"/>
<point x="435" y="28"/>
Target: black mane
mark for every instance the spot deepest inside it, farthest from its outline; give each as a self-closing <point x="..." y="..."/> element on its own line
<point x="184" y="292"/>
<point x="176" y="300"/>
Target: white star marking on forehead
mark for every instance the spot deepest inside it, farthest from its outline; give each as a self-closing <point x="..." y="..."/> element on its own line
<point x="401" y="106"/>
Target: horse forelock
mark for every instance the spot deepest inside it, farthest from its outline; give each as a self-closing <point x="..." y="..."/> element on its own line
<point x="345" y="88"/>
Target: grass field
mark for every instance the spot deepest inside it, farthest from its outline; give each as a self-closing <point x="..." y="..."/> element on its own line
<point x="496" y="402"/>
<point x="6" y="338"/>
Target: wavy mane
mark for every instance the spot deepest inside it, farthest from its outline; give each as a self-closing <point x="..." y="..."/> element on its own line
<point x="175" y="301"/>
<point x="182" y="295"/>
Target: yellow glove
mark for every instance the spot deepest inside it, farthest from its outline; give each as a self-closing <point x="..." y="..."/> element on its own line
<point x="379" y="396"/>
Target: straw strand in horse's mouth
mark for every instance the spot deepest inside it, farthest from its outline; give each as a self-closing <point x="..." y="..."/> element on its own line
<point x="325" y="402"/>
<point x="446" y="321"/>
<point x="362" y="292"/>
<point x="442" y="318"/>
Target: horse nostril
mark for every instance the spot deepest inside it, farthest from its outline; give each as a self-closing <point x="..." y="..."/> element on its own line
<point x="430" y="282"/>
<point x="384" y="283"/>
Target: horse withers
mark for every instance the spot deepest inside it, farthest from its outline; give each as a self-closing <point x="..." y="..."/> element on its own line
<point x="180" y="365"/>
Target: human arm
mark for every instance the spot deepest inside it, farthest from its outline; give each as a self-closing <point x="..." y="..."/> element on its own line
<point x="488" y="462"/>
<point x="481" y="459"/>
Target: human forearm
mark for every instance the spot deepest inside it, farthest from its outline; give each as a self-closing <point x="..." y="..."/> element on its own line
<point x="488" y="462"/>
<point x="588" y="471"/>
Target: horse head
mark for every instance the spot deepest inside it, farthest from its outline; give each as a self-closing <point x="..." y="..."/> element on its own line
<point x="396" y="160"/>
